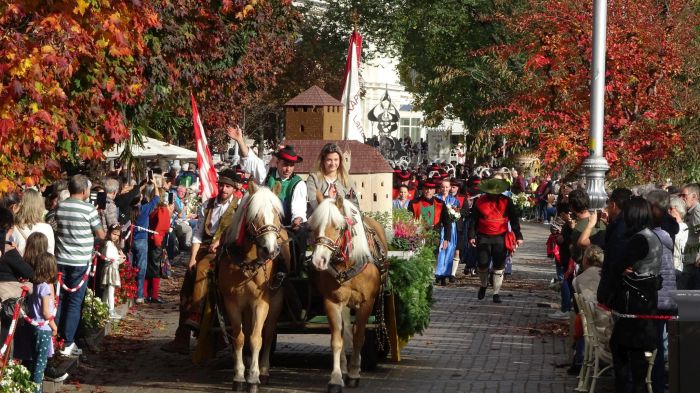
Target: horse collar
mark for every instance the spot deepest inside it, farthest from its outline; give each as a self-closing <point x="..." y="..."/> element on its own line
<point x="346" y="275"/>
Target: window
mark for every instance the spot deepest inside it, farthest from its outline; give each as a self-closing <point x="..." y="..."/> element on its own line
<point x="362" y="184"/>
<point x="375" y="197"/>
<point x="301" y="128"/>
<point x="410" y="127"/>
<point x="331" y="129"/>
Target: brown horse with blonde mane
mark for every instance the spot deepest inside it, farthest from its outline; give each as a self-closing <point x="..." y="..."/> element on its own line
<point x="256" y="237"/>
<point x="347" y="277"/>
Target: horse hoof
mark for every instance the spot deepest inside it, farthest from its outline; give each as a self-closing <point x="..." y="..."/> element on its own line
<point x="239" y="386"/>
<point x="352" y="382"/>
<point x="335" y="389"/>
<point x="264" y="380"/>
<point x="253" y="388"/>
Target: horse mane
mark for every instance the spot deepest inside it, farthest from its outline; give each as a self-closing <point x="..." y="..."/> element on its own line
<point x="328" y="213"/>
<point x="262" y="202"/>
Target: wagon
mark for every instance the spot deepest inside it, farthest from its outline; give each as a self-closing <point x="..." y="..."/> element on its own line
<point x="306" y="315"/>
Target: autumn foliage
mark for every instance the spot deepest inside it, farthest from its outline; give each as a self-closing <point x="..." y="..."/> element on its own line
<point x="649" y="44"/>
<point x="68" y="70"/>
<point x="77" y="76"/>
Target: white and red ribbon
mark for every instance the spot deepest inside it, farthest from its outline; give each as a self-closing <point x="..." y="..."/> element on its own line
<point x="13" y="327"/>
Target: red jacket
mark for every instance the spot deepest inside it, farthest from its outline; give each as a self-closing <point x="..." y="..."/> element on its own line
<point x="160" y="222"/>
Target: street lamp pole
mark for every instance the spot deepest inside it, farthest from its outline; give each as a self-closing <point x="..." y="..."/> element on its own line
<point x="596" y="165"/>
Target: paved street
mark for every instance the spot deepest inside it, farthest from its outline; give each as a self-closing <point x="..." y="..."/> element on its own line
<point x="471" y="346"/>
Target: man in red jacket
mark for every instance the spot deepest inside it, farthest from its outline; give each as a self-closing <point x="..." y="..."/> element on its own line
<point x="493" y="215"/>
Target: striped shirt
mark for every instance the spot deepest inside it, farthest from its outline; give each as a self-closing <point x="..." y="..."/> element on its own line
<point x="77" y="223"/>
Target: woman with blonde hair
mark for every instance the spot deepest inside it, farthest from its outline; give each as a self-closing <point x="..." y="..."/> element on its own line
<point x="331" y="179"/>
<point x="30" y="219"/>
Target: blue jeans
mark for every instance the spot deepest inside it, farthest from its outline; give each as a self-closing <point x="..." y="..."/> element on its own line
<point x="71" y="302"/>
<point x="140" y="261"/>
<point x="565" y="290"/>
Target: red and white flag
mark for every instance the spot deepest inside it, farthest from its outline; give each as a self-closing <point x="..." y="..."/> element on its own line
<point x="207" y="174"/>
<point x="352" y="119"/>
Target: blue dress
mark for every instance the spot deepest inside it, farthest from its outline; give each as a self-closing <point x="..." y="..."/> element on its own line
<point x="446" y="256"/>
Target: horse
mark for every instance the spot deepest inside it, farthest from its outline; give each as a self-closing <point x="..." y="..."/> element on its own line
<point x="346" y="277"/>
<point x="245" y="269"/>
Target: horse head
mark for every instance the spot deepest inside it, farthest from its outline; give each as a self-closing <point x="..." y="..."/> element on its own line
<point x="339" y="232"/>
<point x="258" y="219"/>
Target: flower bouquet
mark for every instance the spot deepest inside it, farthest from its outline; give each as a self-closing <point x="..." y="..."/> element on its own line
<point x="522" y="201"/>
<point x="16" y="379"/>
<point x="454" y="214"/>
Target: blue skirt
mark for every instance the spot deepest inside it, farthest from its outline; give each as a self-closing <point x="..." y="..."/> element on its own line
<point x="445" y="257"/>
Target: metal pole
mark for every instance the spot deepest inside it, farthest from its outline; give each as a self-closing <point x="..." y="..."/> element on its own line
<point x="596" y="165"/>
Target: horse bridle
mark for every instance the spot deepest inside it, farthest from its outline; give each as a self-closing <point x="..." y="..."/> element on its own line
<point x="257" y="232"/>
<point x="336" y="246"/>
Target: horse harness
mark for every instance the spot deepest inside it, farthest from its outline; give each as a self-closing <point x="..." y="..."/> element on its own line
<point x="340" y="253"/>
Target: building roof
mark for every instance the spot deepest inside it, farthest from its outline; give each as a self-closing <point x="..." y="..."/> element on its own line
<point x="314" y="96"/>
<point x="364" y="159"/>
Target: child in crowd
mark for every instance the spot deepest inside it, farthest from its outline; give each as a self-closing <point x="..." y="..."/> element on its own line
<point x="42" y="303"/>
<point x="110" y="275"/>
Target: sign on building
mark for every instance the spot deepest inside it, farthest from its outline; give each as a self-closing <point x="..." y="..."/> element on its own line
<point x="438" y="144"/>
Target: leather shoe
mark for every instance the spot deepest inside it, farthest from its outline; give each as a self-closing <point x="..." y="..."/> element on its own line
<point x="482" y="293"/>
<point x="157" y="300"/>
<point x="497" y="298"/>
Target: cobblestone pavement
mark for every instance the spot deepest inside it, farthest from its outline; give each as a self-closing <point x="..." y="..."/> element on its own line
<point x="470" y="346"/>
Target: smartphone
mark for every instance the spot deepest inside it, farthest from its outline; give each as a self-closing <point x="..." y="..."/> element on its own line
<point x="150" y="174"/>
<point x="171" y="198"/>
<point x="93" y="197"/>
<point x="101" y="200"/>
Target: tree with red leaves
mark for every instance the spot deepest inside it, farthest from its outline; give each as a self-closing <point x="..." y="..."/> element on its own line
<point x="649" y="44"/>
<point x="68" y="70"/>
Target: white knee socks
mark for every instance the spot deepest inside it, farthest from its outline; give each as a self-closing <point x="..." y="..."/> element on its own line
<point x="497" y="280"/>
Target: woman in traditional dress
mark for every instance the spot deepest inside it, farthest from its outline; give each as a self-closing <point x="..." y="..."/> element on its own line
<point x="446" y="262"/>
<point x="433" y="213"/>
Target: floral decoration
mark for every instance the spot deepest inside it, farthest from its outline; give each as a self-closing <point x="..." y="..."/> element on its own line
<point x="16" y="379"/>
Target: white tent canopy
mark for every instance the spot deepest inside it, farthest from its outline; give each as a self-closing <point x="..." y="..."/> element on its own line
<point x="153" y="148"/>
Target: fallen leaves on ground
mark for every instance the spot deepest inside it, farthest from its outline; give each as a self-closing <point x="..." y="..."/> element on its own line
<point x="552" y="328"/>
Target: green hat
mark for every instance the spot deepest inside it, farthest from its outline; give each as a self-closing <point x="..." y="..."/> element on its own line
<point x="493" y="186"/>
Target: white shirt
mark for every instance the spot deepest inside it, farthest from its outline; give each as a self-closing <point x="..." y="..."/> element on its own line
<point x="216" y="213"/>
<point x="679" y="245"/>
<point x="21" y="235"/>
<point x="257" y="168"/>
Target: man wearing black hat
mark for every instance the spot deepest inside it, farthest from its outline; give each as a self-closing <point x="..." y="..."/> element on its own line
<point x="288" y="186"/>
<point x="211" y="225"/>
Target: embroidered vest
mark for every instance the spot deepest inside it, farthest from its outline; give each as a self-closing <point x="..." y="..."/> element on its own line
<point x="224" y="221"/>
<point x="437" y="206"/>
<point x="286" y="192"/>
<point x="493" y="220"/>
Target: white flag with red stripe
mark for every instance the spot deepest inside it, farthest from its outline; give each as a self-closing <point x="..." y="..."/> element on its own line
<point x="352" y="119"/>
<point x="207" y="174"/>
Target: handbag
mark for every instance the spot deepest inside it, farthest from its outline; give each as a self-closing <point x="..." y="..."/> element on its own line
<point x="640" y="293"/>
<point x="511" y="243"/>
